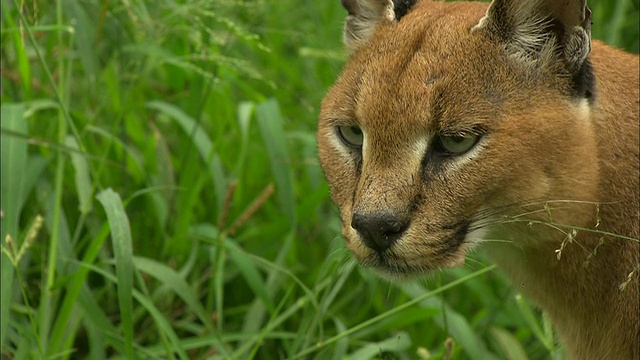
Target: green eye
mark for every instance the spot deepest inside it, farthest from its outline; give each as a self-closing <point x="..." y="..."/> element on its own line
<point x="351" y="135"/>
<point x="456" y="145"/>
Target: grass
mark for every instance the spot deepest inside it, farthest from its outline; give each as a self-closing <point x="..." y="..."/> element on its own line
<point x="161" y="196"/>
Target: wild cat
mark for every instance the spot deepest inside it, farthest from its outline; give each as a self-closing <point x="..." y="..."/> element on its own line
<point x="456" y="124"/>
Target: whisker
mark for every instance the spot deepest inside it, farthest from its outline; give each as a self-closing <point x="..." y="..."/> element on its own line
<point x="533" y="202"/>
<point x="475" y="262"/>
<point x="504" y="241"/>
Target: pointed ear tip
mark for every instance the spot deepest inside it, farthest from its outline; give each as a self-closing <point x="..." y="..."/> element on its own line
<point x="587" y="21"/>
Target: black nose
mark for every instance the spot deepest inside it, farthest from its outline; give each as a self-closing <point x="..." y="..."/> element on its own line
<point x="379" y="230"/>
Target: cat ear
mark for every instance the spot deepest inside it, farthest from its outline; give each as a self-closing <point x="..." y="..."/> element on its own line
<point x="541" y="33"/>
<point x="364" y="16"/>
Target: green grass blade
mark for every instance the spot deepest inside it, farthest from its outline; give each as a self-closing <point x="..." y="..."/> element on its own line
<point x="164" y="326"/>
<point x="75" y="285"/>
<point x="24" y="349"/>
<point x="217" y="256"/>
<point x="84" y="39"/>
<point x="36" y="105"/>
<point x="121" y="238"/>
<point x="172" y="279"/>
<point x="265" y="331"/>
<point x="532" y="321"/>
<point x="34" y="171"/>
<point x="82" y="176"/>
<point x="161" y="321"/>
<point x="95" y="342"/>
<point x="247" y="267"/>
<point x="65" y="249"/>
<point x="509" y="344"/>
<point x="454" y="323"/>
<point x="97" y="320"/>
<point x="245" y="112"/>
<point x="202" y="142"/>
<point x="24" y="67"/>
<point x="340" y="349"/>
<point x="393" y="311"/>
<point x="549" y="334"/>
<point x="273" y="136"/>
<point x="257" y="312"/>
<point x="396" y="343"/>
<point x="299" y="304"/>
<point x="14" y="160"/>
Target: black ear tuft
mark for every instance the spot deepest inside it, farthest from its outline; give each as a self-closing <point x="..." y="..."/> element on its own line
<point x="402" y="7"/>
<point x="583" y="82"/>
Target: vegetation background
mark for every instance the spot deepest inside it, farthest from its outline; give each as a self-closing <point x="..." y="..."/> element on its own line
<point x="161" y="196"/>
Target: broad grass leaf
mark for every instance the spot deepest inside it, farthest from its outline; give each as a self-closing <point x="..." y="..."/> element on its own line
<point x="202" y="142"/>
<point x="14" y="160"/>
<point x="95" y="341"/>
<point x="160" y="320"/>
<point x="275" y="279"/>
<point x="121" y="240"/>
<point x="306" y="143"/>
<point x="218" y="258"/>
<point x="75" y="286"/>
<point x="20" y="52"/>
<point x="59" y="341"/>
<point x="245" y="112"/>
<point x="95" y="317"/>
<point x="85" y="39"/>
<point x="36" y="166"/>
<point x="273" y="136"/>
<point x="82" y="177"/>
<point x="172" y="279"/>
<point x="250" y="272"/>
<point x="38" y="105"/>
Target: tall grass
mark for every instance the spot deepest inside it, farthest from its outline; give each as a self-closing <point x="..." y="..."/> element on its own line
<point x="161" y="196"/>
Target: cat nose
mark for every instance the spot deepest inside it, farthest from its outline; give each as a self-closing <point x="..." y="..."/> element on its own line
<point x="379" y="230"/>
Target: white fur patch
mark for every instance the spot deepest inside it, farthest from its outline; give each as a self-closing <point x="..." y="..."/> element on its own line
<point x="477" y="236"/>
<point x="418" y="149"/>
<point x="583" y="109"/>
<point x="365" y="145"/>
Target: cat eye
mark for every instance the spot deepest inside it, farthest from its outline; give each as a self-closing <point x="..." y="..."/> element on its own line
<point x="352" y="136"/>
<point x="456" y="145"/>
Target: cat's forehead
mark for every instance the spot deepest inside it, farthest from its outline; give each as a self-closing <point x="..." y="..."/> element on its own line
<point x="421" y="89"/>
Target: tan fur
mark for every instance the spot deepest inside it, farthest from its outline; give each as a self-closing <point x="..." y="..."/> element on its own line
<point x="552" y="175"/>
